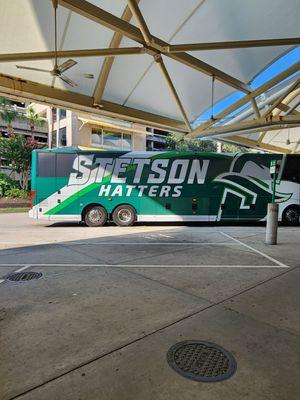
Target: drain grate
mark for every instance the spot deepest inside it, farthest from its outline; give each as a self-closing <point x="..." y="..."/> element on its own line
<point x="23" y="276"/>
<point x="201" y="361"/>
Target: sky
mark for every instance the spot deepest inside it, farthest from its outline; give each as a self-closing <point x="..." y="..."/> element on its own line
<point x="278" y="66"/>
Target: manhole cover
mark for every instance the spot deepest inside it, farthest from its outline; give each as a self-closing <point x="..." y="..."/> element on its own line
<point x="201" y="361"/>
<point x="23" y="276"/>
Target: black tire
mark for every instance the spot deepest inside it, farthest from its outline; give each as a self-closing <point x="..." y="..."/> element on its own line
<point x="291" y="215"/>
<point x="95" y="216"/>
<point x="124" y="215"/>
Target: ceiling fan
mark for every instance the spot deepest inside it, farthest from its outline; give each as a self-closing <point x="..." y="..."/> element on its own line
<point x="58" y="70"/>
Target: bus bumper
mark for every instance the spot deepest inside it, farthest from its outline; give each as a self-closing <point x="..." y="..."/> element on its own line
<point x="32" y="213"/>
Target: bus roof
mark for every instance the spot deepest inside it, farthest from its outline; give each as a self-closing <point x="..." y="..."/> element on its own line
<point x="89" y="150"/>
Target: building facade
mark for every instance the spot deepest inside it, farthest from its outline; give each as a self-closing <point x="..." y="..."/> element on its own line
<point x="67" y="128"/>
<point x="21" y="126"/>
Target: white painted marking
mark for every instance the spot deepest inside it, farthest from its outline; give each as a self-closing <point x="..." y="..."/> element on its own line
<point x="175" y="218"/>
<point x="22" y="268"/>
<point x="151" y="243"/>
<point x="148" y="266"/>
<point x="167" y="236"/>
<point x="18" y="270"/>
<point x="256" y="251"/>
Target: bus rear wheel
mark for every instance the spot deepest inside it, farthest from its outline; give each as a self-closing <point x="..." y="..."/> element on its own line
<point x="124" y="215"/>
<point x="291" y="215"/>
<point x="95" y="216"/>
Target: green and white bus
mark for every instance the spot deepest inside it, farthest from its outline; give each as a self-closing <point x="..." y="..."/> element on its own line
<point x="124" y="187"/>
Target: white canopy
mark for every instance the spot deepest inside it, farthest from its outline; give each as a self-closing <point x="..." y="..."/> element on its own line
<point x="159" y="64"/>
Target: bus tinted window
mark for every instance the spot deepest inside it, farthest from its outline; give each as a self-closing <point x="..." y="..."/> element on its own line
<point x="64" y="164"/>
<point x="46" y="165"/>
<point x="291" y="170"/>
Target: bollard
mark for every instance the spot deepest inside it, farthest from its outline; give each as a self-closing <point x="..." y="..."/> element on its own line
<point x="272" y="224"/>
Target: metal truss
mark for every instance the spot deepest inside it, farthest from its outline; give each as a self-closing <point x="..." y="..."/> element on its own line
<point x="149" y="44"/>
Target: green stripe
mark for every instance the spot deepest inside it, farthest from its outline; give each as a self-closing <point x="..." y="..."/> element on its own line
<point x="70" y="199"/>
<point x="261" y="182"/>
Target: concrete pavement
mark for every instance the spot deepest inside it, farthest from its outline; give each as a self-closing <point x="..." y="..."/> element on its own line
<point x="112" y="301"/>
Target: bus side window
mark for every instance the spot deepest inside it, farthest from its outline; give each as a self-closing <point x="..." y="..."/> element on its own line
<point x="64" y="164"/>
<point x="46" y="165"/>
<point x="291" y="170"/>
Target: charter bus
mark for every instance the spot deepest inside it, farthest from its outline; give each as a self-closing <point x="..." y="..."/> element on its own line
<point x="127" y="187"/>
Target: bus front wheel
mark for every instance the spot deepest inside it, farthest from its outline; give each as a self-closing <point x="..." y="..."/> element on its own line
<point x="291" y="215"/>
<point x="124" y="215"/>
<point x="95" y="216"/>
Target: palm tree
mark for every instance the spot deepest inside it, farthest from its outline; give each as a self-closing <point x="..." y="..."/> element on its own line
<point x="9" y="114"/>
<point x="34" y="120"/>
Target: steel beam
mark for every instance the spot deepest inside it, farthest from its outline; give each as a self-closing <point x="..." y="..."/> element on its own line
<point x="260" y="146"/>
<point x="172" y="89"/>
<point x="255" y="108"/>
<point x="157" y="58"/>
<point x="261" y="89"/>
<point x="282" y="97"/>
<point x="108" y="62"/>
<point x="31" y="91"/>
<point x="240" y="44"/>
<point x="104" y="18"/>
<point x="140" y="19"/>
<point x="110" y="21"/>
<point x="292" y="110"/>
<point x="201" y="66"/>
<point x="250" y="126"/>
<point x="47" y="55"/>
<point x="290" y="95"/>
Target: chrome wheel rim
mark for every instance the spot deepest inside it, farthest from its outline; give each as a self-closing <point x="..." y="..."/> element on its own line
<point x="292" y="216"/>
<point x="95" y="215"/>
<point x="124" y="215"/>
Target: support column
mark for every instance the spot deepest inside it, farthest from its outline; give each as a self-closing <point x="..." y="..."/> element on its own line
<point x="272" y="223"/>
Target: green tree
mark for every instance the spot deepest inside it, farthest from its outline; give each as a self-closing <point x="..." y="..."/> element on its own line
<point x="9" y="114"/>
<point x="34" y="120"/>
<point x="180" y="143"/>
<point x="17" y="151"/>
<point x="233" y="148"/>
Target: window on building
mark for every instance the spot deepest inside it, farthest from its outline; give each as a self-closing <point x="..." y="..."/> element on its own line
<point x="62" y="138"/>
<point x="41" y="139"/>
<point x="97" y="137"/>
<point x="127" y="141"/>
<point x="62" y="113"/>
<point x="53" y="140"/>
<point x="111" y="140"/>
<point x="54" y="114"/>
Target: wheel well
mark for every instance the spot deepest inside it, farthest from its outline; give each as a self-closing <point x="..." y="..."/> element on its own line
<point x="290" y="206"/>
<point x="124" y="204"/>
<point x="87" y="207"/>
<point x="297" y="206"/>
